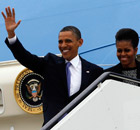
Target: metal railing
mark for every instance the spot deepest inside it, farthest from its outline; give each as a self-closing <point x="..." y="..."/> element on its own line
<point x="84" y="94"/>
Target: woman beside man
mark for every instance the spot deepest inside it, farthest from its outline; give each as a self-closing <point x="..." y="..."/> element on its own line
<point x="127" y="46"/>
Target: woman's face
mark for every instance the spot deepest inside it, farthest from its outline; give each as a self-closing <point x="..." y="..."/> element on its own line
<point x="126" y="53"/>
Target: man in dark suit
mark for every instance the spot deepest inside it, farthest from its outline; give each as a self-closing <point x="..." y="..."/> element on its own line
<point x="55" y="92"/>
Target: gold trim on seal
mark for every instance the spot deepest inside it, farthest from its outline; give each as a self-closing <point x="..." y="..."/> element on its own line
<point x="19" y="99"/>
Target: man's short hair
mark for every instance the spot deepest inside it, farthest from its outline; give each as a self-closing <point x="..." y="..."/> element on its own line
<point x="74" y="30"/>
<point x="128" y="35"/>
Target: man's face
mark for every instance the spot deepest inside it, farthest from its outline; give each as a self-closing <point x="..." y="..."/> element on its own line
<point x="68" y="45"/>
<point x="126" y="53"/>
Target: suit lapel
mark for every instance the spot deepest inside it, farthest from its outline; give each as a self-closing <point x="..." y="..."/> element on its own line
<point x="62" y="73"/>
<point x="85" y="75"/>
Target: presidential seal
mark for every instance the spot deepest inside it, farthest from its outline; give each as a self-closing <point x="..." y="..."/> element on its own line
<point x="28" y="91"/>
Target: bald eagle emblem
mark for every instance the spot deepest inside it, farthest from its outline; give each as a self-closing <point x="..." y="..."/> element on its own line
<point x="28" y="91"/>
<point x="33" y="90"/>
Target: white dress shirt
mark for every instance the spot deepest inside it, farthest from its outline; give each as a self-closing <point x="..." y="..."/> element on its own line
<point x="75" y="70"/>
<point x="76" y="73"/>
<point x="12" y="40"/>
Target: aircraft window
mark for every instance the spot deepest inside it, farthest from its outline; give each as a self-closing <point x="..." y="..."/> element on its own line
<point x="1" y="102"/>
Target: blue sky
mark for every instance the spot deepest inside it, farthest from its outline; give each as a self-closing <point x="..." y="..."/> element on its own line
<point x="98" y="20"/>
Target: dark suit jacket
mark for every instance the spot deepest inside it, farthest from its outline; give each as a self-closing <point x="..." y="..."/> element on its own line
<point x="52" y="68"/>
<point x="118" y="69"/>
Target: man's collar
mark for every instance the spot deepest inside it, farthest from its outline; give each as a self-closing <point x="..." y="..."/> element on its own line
<point x="75" y="61"/>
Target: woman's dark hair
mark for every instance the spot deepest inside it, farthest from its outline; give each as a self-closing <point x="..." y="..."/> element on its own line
<point x="129" y="35"/>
